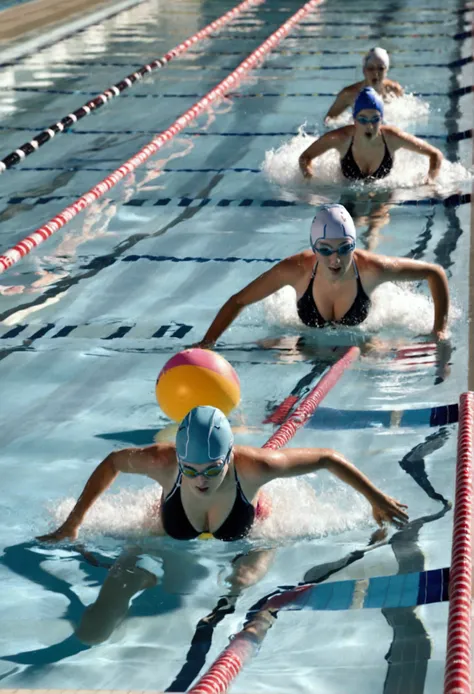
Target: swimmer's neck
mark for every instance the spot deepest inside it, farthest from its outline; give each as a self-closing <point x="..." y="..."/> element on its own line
<point x="365" y="142"/>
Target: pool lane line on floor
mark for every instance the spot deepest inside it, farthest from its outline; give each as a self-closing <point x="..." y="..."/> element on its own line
<point x="229" y="663"/>
<point x="454" y="200"/>
<point x="194" y="95"/>
<point x="458" y="658"/>
<point x="452" y="137"/>
<point x="13" y="255"/>
<point x="212" y="67"/>
<point x="99" y="100"/>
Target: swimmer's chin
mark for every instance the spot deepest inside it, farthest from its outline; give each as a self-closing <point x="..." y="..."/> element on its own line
<point x="335" y="271"/>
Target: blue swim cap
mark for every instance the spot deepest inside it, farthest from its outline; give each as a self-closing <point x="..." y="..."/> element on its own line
<point x="368" y="98"/>
<point x="203" y="436"/>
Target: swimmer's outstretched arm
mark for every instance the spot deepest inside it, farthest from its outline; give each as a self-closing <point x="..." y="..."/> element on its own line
<point x="390" y="269"/>
<point x="343" y="100"/>
<point x="292" y="462"/>
<point x="280" y="275"/>
<point x="137" y="460"/>
<point x="331" y="140"/>
<point x="398" y="139"/>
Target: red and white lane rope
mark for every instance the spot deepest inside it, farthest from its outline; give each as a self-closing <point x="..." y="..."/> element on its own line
<point x="13" y="255"/>
<point x="232" y="659"/>
<point x="116" y="89"/>
<point x="457" y="678"/>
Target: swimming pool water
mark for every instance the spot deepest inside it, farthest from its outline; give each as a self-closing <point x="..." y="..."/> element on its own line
<point x="88" y="320"/>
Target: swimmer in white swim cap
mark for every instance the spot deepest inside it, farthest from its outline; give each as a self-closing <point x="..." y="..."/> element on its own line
<point x="375" y="67"/>
<point x="367" y="147"/>
<point x="334" y="280"/>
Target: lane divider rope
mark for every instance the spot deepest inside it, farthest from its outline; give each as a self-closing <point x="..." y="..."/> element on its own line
<point x="116" y="89"/>
<point x="230" y="662"/>
<point x="457" y="679"/>
<point x="14" y="254"/>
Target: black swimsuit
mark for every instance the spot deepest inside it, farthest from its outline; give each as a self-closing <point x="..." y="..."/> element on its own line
<point x="351" y="170"/>
<point x="309" y="313"/>
<point x="177" y="524"/>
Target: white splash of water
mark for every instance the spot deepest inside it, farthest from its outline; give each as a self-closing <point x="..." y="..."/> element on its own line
<point x="129" y="513"/>
<point x="300" y="510"/>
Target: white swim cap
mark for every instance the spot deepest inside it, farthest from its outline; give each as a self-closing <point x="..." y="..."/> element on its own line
<point x="379" y="54"/>
<point x="332" y="222"/>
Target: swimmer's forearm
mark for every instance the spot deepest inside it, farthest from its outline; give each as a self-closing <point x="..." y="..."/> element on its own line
<point x="227" y="314"/>
<point x="349" y="474"/>
<point x="438" y="284"/>
<point x="305" y="165"/>
<point x="98" y="482"/>
<point x="436" y="159"/>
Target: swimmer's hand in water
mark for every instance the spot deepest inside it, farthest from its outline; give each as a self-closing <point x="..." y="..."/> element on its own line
<point x="203" y="344"/>
<point x="66" y="531"/>
<point x="385" y="509"/>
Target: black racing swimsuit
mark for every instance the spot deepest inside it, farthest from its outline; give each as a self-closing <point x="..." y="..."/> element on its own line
<point x="309" y="313"/>
<point x="351" y="170"/>
<point x="177" y="524"/>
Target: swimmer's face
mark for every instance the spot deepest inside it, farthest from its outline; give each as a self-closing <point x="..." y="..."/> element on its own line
<point x="368" y="122"/>
<point x="337" y="264"/>
<point x="375" y="72"/>
<point x="204" y="484"/>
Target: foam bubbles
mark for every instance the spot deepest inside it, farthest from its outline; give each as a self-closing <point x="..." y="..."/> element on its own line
<point x="301" y="510"/>
<point x="129" y="513"/>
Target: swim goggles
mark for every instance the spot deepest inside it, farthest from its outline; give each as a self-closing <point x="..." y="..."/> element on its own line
<point x="208" y="473"/>
<point x="368" y="121"/>
<point x="344" y="249"/>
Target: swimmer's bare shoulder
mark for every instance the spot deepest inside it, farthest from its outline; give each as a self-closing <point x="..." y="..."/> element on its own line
<point x="350" y="92"/>
<point x="154" y="461"/>
<point x="393" y="88"/>
<point x="299" y="268"/>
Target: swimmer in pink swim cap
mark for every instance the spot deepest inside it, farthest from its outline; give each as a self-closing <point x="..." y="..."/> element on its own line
<point x="375" y="67"/>
<point x="334" y="280"/>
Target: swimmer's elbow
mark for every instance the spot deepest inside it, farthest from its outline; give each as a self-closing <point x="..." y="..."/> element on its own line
<point x="304" y="160"/>
<point x="436" y="159"/>
<point x="238" y="302"/>
<point x="116" y="462"/>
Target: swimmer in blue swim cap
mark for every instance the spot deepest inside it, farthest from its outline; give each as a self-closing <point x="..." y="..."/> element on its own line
<point x="212" y="487"/>
<point x="375" y="67"/>
<point x="367" y="148"/>
<point x="334" y="280"/>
